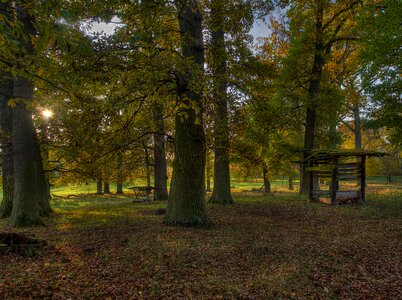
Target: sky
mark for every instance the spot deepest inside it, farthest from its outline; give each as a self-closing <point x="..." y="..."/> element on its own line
<point x="260" y="29"/>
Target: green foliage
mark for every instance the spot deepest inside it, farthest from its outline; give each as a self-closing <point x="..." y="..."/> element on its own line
<point x="381" y="26"/>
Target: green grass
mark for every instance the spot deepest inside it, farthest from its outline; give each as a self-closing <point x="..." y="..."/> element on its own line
<point x="262" y="247"/>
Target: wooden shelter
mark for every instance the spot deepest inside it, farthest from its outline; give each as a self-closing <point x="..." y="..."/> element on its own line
<point x="338" y="166"/>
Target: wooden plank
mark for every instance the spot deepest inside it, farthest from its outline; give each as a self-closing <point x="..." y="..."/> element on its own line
<point x="318" y="193"/>
<point x="349" y="177"/>
<point x="363" y="180"/>
<point x="334" y="182"/>
<point x="310" y="183"/>
<point x="346" y="195"/>
<point x="322" y="162"/>
<point x="323" y="173"/>
<point x="349" y="172"/>
<point x="320" y="168"/>
<point x="349" y="165"/>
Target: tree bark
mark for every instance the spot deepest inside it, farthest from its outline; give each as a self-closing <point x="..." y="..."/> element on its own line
<point x="221" y="191"/>
<point x="160" y="165"/>
<point x="119" y="185"/>
<point x="6" y="125"/>
<point x="267" y="183"/>
<point x="314" y="87"/>
<point x="333" y="135"/>
<point x="99" y="184"/>
<point x="44" y="151"/>
<point x="43" y="185"/>
<point x="106" y="187"/>
<point x="291" y="187"/>
<point x="186" y="204"/>
<point x="357" y="123"/>
<point x="208" y="170"/>
<point x="27" y="194"/>
<point x="119" y="188"/>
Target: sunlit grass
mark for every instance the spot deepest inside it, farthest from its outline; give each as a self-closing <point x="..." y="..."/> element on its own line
<point x="278" y="246"/>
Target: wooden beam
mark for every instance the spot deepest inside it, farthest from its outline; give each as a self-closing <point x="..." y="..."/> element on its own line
<point x="362" y="197"/>
<point x="334" y="180"/>
<point x="349" y="177"/>
<point x="318" y="193"/>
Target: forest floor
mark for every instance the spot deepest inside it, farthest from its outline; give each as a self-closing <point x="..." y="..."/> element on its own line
<point x="262" y="247"/>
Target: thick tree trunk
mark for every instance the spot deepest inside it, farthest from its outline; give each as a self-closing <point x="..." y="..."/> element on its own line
<point x="291" y="187"/>
<point x="186" y="204"/>
<point x="29" y="197"/>
<point x="27" y="194"/>
<point x="119" y="188"/>
<point x="6" y="93"/>
<point x="43" y="186"/>
<point x="106" y="187"/>
<point x="99" y="184"/>
<point x="208" y="170"/>
<point x="267" y="183"/>
<point x="221" y="192"/>
<point x="316" y="73"/>
<point x="44" y="150"/>
<point x="119" y="185"/>
<point x="333" y="135"/>
<point x="160" y="165"/>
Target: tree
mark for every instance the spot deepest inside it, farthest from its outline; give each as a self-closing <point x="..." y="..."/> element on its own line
<point x="6" y="93"/>
<point x="160" y="165"/>
<point x="186" y="204"/>
<point x="380" y="26"/>
<point x="30" y="199"/>
<point x="26" y="202"/>
<point x="221" y="191"/>
<point x="315" y="27"/>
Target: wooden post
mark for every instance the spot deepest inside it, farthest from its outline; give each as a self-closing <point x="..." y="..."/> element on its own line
<point x="148" y="192"/>
<point x="310" y="183"/>
<point x="363" y="180"/>
<point x="334" y="181"/>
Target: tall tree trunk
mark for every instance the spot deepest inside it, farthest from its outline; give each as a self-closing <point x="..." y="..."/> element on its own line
<point x="119" y="185"/>
<point x="208" y="171"/>
<point x="147" y="164"/>
<point x="106" y="187"/>
<point x="221" y="192"/>
<point x="44" y="150"/>
<point x="42" y="184"/>
<point x="267" y="183"/>
<point x="119" y="188"/>
<point x="160" y="165"/>
<point x="186" y="204"/>
<point x="333" y="135"/>
<point x="6" y="93"/>
<point x="316" y="73"/>
<point x="291" y="187"/>
<point x="357" y="123"/>
<point x="27" y="196"/>
<point x="99" y="184"/>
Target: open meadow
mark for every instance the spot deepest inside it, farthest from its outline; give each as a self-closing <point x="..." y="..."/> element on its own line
<point x="262" y="247"/>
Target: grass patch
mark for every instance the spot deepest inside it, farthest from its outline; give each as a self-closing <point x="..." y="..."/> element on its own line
<point x="262" y="247"/>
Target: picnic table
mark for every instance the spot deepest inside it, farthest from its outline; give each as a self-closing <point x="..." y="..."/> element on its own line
<point x="142" y="191"/>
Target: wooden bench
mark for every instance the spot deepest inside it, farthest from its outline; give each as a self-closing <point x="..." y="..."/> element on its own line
<point x="142" y="191"/>
<point x="344" y="196"/>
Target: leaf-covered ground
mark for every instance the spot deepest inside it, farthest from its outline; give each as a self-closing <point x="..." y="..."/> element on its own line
<point x="260" y="248"/>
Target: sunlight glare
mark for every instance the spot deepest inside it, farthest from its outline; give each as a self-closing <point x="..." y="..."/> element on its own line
<point x="47" y="113"/>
